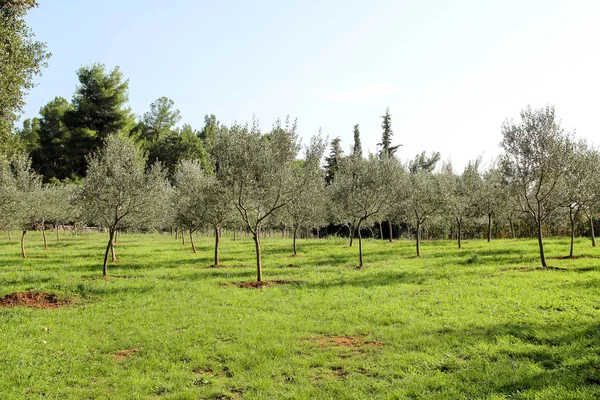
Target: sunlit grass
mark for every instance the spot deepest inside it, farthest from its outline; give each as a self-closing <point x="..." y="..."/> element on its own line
<point x="481" y="322"/>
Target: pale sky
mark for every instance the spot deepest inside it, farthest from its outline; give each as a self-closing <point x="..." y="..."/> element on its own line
<point x="450" y="71"/>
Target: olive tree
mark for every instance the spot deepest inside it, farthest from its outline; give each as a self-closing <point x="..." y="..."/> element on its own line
<point x="534" y="161"/>
<point x="28" y="210"/>
<point x="580" y="183"/>
<point x="462" y="194"/>
<point x="362" y="189"/>
<point x="492" y="197"/>
<point x="423" y="198"/>
<point x="8" y="195"/>
<point x="201" y="200"/>
<point x="257" y="168"/>
<point x="307" y="208"/>
<point x="118" y="193"/>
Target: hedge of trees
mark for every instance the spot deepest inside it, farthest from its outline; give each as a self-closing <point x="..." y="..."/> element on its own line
<point x="254" y="181"/>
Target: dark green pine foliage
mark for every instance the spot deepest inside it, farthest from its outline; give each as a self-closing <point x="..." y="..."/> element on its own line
<point x="99" y="109"/>
<point x="422" y="163"/>
<point x="209" y="131"/>
<point x="332" y="161"/>
<point x="387" y="150"/>
<point x="178" y="145"/>
<point x="357" y="147"/>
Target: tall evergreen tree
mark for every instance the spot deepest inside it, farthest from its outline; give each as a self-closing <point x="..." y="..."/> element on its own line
<point x="99" y="110"/>
<point x="357" y="147"/>
<point x="332" y="161"/>
<point x="387" y="150"/>
<point x="160" y="120"/>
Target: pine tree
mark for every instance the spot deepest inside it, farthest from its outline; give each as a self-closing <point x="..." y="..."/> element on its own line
<point x="332" y="161"/>
<point x="387" y="150"/>
<point x="357" y="147"/>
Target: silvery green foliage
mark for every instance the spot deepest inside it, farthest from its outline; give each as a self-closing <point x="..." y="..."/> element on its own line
<point x="363" y="189"/>
<point x="462" y="193"/>
<point x="424" y="197"/>
<point x="308" y="207"/>
<point x="535" y="160"/>
<point x="8" y="194"/>
<point x="59" y="200"/>
<point x="257" y="169"/>
<point x="29" y="206"/>
<point x="200" y="199"/>
<point x="117" y="193"/>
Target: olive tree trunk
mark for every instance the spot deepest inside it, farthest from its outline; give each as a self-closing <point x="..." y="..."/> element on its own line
<point x="572" y="224"/>
<point x="256" y="237"/>
<point x="109" y="246"/>
<point x="192" y="241"/>
<point x="391" y="231"/>
<point x="294" y="240"/>
<point x="23" y="244"/>
<point x="217" y="238"/>
<point x="418" y="237"/>
<point x="592" y="233"/>
<point x="43" y="227"/>
<point x="459" y="233"/>
<point x="360" y="251"/>
<point x="489" y="230"/>
<point x="540" y="237"/>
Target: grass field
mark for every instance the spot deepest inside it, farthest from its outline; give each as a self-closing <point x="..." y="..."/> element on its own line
<point x="482" y="322"/>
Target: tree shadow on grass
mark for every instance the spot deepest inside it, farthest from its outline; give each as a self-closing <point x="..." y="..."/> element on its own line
<point x="562" y="356"/>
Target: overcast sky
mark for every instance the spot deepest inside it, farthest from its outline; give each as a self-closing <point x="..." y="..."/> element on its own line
<point x="450" y="71"/>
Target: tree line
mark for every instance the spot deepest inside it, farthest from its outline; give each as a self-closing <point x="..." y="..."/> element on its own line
<point x="256" y="181"/>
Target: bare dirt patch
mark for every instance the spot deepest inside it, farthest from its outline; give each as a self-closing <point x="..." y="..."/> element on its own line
<point x="33" y="300"/>
<point x="259" y="285"/>
<point x="350" y="342"/>
<point x="218" y="266"/>
<point x="125" y="353"/>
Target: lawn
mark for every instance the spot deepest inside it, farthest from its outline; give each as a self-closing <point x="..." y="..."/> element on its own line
<point x="481" y="322"/>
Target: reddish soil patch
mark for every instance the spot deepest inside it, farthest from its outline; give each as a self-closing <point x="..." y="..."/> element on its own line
<point x="351" y="342"/>
<point x="218" y="266"/>
<point x="338" y="372"/>
<point x="33" y="300"/>
<point x="258" y="285"/>
<point x="125" y="353"/>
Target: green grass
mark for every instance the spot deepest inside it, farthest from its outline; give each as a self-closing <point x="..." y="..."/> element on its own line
<point x="481" y="322"/>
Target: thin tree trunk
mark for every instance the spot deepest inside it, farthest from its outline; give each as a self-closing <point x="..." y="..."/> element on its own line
<point x="360" y="251"/>
<point x="351" y="227"/>
<point x="380" y="231"/>
<point x="43" y="227"/>
<point x="23" y="243"/>
<point x="318" y="235"/>
<point x="112" y="250"/>
<point x="572" y="220"/>
<point x="217" y="238"/>
<point x="391" y="231"/>
<point x="512" y="228"/>
<point x="10" y="239"/>
<point x="489" y="230"/>
<point x="540" y="237"/>
<point x="176" y="233"/>
<point x="108" y="247"/>
<point x="192" y="241"/>
<point x="256" y="238"/>
<point x="183" y="236"/>
<point x="592" y="233"/>
<point x="58" y="233"/>
<point x="418" y="236"/>
<point x="234" y="232"/>
<point x="294" y="240"/>
<point x="459" y="233"/>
